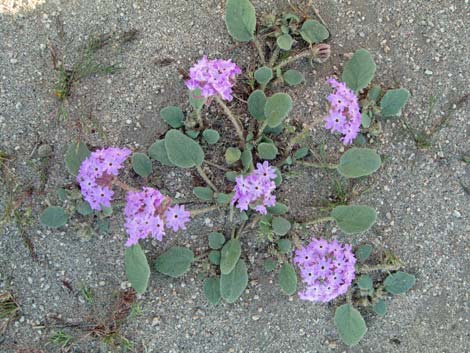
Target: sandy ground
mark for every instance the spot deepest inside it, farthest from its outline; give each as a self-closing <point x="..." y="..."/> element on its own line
<point x="420" y="193"/>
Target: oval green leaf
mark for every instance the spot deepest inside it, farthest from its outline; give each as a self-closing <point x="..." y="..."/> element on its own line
<point x="174" y="262"/>
<point x="203" y="193"/>
<point x="281" y="226"/>
<point x="293" y="77"/>
<point x="212" y="290"/>
<point x="141" y="164"/>
<point x="214" y="257"/>
<point x="365" y="282"/>
<point x="314" y="32"/>
<point x="211" y="136"/>
<point x="230" y="255"/>
<point x="240" y="19"/>
<point x="350" y="324"/>
<point x="76" y="153"/>
<point x="284" y="246"/>
<point x="256" y="103"/>
<point x="183" y="151"/>
<point x="173" y="116"/>
<point x="278" y="209"/>
<point x="232" y="155"/>
<point x="393" y="101"/>
<point x="363" y="252"/>
<point x="157" y="151"/>
<point x="277" y="108"/>
<point x="216" y="240"/>
<point x="301" y="153"/>
<point x="267" y="151"/>
<point x="288" y="279"/>
<point x="380" y="308"/>
<point x="137" y="268"/>
<point x="263" y="75"/>
<point x="84" y="208"/>
<point x="354" y="219"/>
<point x="399" y="282"/>
<point x="54" y="217"/>
<point x="359" y="162"/>
<point x="285" y="41"/>
<point x="359" y="70"/>
<point x="234" y="283"/>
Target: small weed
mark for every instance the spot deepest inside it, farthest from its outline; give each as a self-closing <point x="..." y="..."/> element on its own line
<point x="8" y="306"/>
<point x="87" y="294"/>
<point x="61" y="338"/>
<point x="136" y="310"/>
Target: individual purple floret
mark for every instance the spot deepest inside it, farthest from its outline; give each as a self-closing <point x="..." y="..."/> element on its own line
<point x="344" y="115"/>
<point x="148" y="212"/>
<point x="326" y="268"/>
<point x="96" y="174"/>
<point x="254" y="190"/>
<point x="213" y="77"/>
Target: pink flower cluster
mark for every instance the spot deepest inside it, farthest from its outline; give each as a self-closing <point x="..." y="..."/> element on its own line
<point x="344" y="115"/>
<point x="326" y="268"/>
<point x="213" y="77"/>
<point x="255" y="189"/>
<point x="96" y="174"/>
<point x="148" y="212"/>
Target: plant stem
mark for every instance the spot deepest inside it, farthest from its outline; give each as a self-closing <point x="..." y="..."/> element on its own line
<point x="319" y="165"/>
<point x="233" y="118"/>
<point x="203" y="210"/>
<point x="123" y="185"/>
<point x="274" y="56"/>
<point x="259" y="47"/>
<point x="317" y="221"/>
<point x="261" y="130"/>
<point x="217" y="166"/>
<point x="301" y="55"/>
<point x="206" y="178"/>
<point x="380" y="267"/>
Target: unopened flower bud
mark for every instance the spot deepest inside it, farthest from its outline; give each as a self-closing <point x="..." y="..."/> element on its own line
<point x="321" y="52"/>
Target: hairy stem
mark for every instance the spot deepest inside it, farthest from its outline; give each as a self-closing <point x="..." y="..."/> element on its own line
<point x="123" y="185"/>
<point x="261" y="130"/>
<point x="233" y="118"/>
<point x="301" y="55"/>
<point x="274" y="56"/>
<point x="319" y="165"/>
<point x="206" y="178"/>
<point x="380" y="267"/>
<point x="260" y="49"/>
<point x="317" y="221"/>
<point x="217" y="166"/>
<point x="203" y="210"/>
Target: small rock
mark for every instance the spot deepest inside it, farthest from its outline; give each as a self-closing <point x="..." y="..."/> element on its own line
<point x="44" y="151"/>
<point x="428" y="72"/>
<point x="457" y="214"/>
<point x="255" y="317"/>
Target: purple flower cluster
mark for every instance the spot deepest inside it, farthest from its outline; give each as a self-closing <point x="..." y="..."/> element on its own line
<point x="148" y="212"/>
<point x="96" y="174"/>
<point x="344" y="115"/>
<point x="326" y="268"/>
<point x="255" y="189"/>
<point x="213" y="77"/>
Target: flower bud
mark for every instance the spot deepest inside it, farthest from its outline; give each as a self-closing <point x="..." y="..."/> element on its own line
<point x="321" y="52"/>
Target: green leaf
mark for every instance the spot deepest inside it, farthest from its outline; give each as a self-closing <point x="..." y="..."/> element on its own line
<point x="270" y="265"/>
<point x="399" y="282"/>
<point x="354" y="219"/>
<point x="277" y="108"/>
<point x="173" y="116"/>
<point x="232" y="155"/>
<point x="234" y="283"/>
<point x="192" y="133"/>
<point x="359" y="70"/>
<point x="62" y="194"/>
<point x="174" y="262"/>
<point x="393" y="101"/>
<point x="374" y="93"/>
<point x="285" y="41"/>
<point x="84" y="208"/>
<point x="183" y="151"/>
<point x="256" y="103"/>
<point x="230" y="255"/>
<point x="278" y="209"/>
<point x="288" y="279"/>
<point x="263" y="75"/>
<point x="230" y="176"/>
<point x="211" y="136"/>
<point x="196" y="99"/>
<point x="281" y="226"/>
<point x="240" y="19"/>
<point x="203" y="193"/>
<point x="350" y="324"/>
<point x="313" y="32"/>
<point x="247" y="159"/>
<point x="223" y="199"/>
<point x="141" y="164"/>
<point x="54" y="217"/>
<point x="284" y="246"/>
<point x="157" y="151"/>
<point x="107" y="211"/>
<point x="216" y="240"/>
<point x="278" y="179"/>
<point x="267" y="151"/>
<point x="363" y="252"/>
<point x="212" y="290"/>
<point x="359" y="162"/>
<point x="380" y="308"/>
<point x="301" y="153"/>
<point x="76" y="153"/>
<point x="293" y="77"/>
<point x="137" y="268"/>
<point x="214" y="257"/>
<point x="365" y="120"/>
<point x="365" y="282"/>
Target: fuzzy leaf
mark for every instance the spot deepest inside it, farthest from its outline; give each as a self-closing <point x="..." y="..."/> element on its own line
<point x="256" y="103"/>
<point x="76" y="153"/>
<point x="359" y="70"/>
<point x="240" y="19"/>
<point x="393" y="101"/>
<point x="232" y="155"/>
<point x="380" y="308"/>
<point x="141" y="164"/>
<point x="84" y="208"/>
<point x="216" y="240"/>
<point x="157" y="151"/>
<point x="173" y="116"/>
<point x="203" y="193"/>
<point x="54" y="217"/>
<point x="293" y="77"/>
<point x="285" y="41"/>
<point x="288" y="279"/>
<point x="354" y="219"/>
<point x="365" y="282"/>
<point x="284" y="246"/>
<point x="267" y="151"/>
<point x="230" y="255"/>
<point x="137" y="268"/>
<point x="313" y="32"/>
<point x="277" y="108"/>
<point x="359" y="162"/>
<point x="183" y="151"/>
<point x="350" y="324"/>
<point x="278" y="209"/>
<point x="270" y="265"/>
<point x="212" y="290"/>
<point x="214" y="257"/>
<point x="363" y="252"/>
<point x="399" y="282"/>
<point x="234" y="283"/>
<point x="281" y="226"/>
<point x="211" y="136"/>
<point x="263" y="75"/>
<point x="301" y="153"/>
<point x="174" y="262"/>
